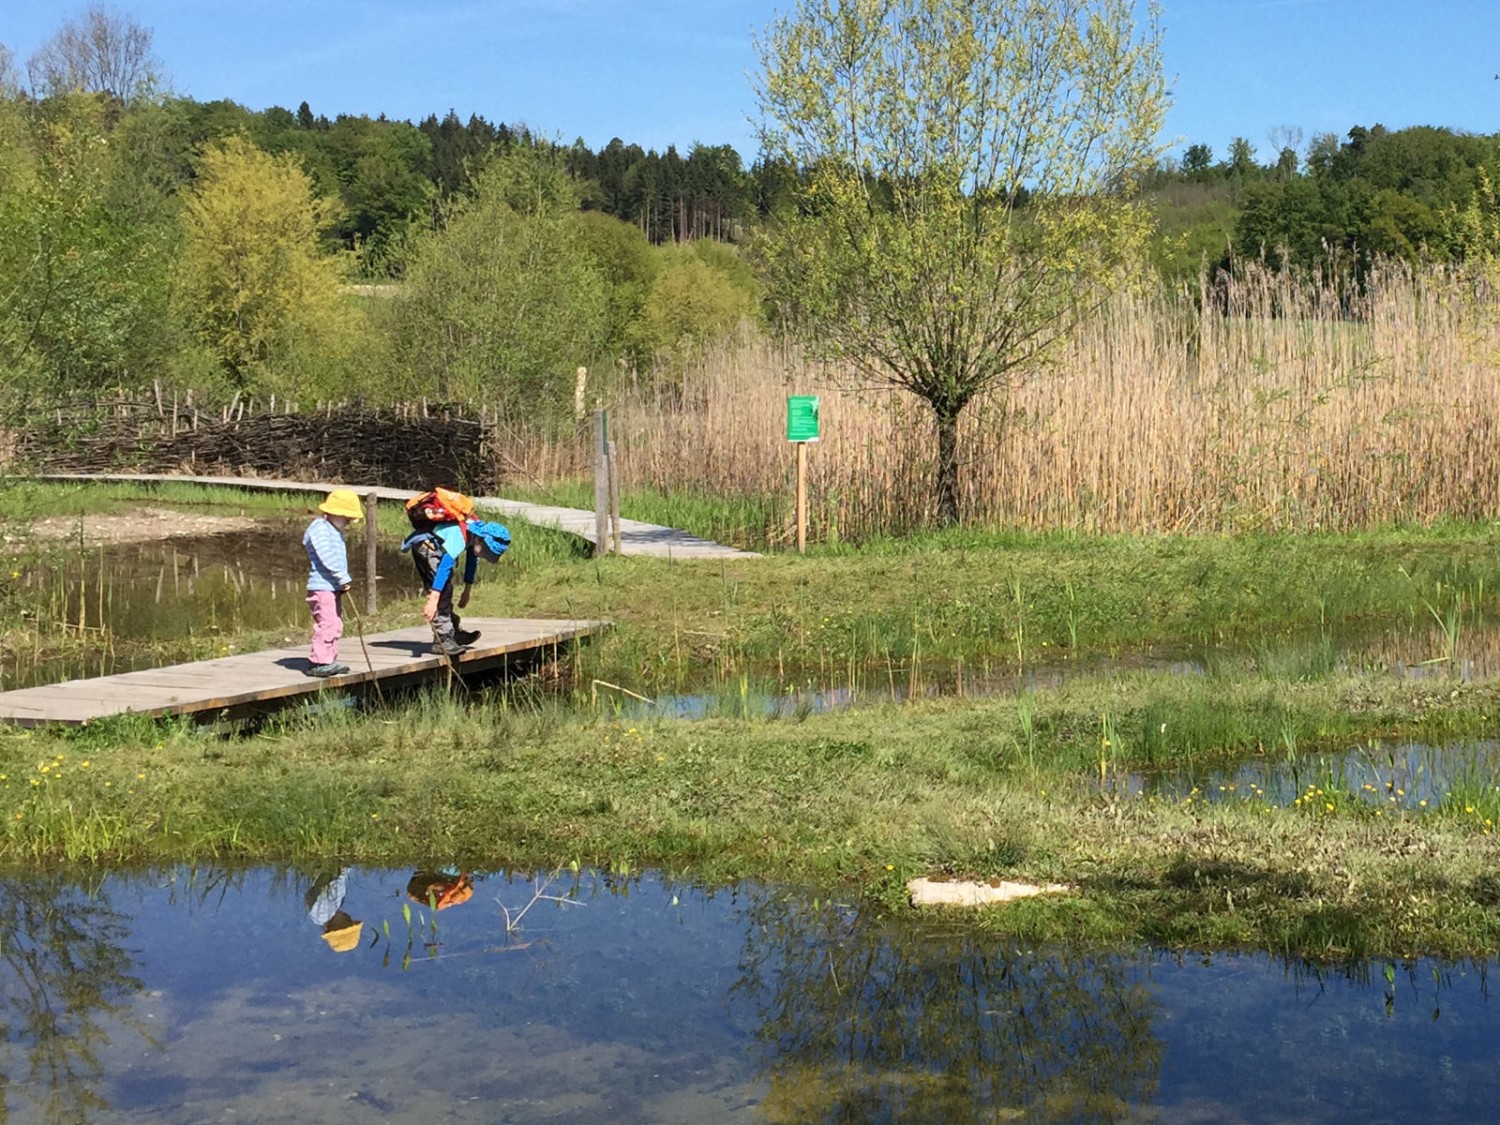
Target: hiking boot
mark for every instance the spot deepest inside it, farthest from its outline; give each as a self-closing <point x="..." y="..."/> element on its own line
<point x="323" y="671"/>
<point x="466" y="636"/>
<point x="447" y="647"/>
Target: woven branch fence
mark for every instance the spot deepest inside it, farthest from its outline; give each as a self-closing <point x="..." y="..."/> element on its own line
<point x="409" y="446"/>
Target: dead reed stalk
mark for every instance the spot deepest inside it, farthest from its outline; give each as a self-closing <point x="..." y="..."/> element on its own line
<point x="1264" y="404"/>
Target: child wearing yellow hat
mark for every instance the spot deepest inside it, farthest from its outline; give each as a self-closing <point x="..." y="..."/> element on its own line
<point x="328" y="578"/>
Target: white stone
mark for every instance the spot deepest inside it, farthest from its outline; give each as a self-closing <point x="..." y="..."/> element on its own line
<point x="927" y="892"/>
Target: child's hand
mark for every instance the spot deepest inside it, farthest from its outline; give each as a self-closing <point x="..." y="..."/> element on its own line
<point x="430" y="606"/>
<point x="463" y="598"/>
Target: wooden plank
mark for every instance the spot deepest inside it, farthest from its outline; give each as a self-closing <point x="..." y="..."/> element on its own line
<point x="273" y="675"/>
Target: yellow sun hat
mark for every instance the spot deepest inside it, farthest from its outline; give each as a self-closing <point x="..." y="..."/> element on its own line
<point x="342" y="502"/>
<point x="343" y="940"/>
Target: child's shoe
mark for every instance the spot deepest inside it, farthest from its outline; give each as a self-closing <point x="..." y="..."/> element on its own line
<point x="466" y="636"/>
<point x="323" y="671"/>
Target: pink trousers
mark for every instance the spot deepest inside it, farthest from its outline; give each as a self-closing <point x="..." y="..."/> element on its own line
<point x="328" y="625"/>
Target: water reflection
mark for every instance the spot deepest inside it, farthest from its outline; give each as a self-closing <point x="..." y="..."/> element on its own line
<point x="864" y="1021"/>
<point x="1417" y="651"/>
<point x="205" y="995"/>
<point x="67" y="981"/>
<point x="125" y="606"/>
<point x="1406" y="776"/>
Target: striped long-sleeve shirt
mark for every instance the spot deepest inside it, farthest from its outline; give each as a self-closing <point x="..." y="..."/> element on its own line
<point x="328" y="558"/>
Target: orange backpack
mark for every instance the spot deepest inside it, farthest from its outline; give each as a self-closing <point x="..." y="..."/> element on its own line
<point x="440" y="505"/>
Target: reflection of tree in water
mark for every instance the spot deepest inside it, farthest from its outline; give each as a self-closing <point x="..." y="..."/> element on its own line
<point x="65" y="976"/>
<point x="865" y="1022"/>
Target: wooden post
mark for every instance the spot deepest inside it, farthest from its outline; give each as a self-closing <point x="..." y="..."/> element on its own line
<point x="614" y="496"/>
<point x="801" y="497"/>
<point x="601" y="482"/>
<point x="372" y="504"/>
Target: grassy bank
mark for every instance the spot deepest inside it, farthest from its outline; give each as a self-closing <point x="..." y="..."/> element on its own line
<point x="1028" y="782"/>
<point x="860" y="800"/>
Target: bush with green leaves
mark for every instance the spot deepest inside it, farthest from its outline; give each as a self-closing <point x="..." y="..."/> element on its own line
<point x="503" y="301"/>
<point x="699" y="297"/>
<point x="255" y="284"/>
<point x="84" y="250"/>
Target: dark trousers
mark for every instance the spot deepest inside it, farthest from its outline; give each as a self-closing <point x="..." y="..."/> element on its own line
<point x="426" y="556"/>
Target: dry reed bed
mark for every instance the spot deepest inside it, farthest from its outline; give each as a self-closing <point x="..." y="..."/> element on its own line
<point x="1273" y="407"/>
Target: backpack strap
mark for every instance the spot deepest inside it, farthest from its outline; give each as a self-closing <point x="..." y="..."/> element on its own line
<point x="414" y="538"/>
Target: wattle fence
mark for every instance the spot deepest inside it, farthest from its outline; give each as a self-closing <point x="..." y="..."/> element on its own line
<point x="408" y="446"/>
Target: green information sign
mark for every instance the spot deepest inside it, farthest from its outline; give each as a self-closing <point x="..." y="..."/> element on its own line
<point x="801" y="417"/>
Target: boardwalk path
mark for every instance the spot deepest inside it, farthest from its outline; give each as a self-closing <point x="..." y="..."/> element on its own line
<point x="259" y="681"/>
<point x="636" y="538"/>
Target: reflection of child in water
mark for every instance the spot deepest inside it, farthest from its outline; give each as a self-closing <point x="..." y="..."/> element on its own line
<point x="325" y="906"/>
<point x="440" y="889"/>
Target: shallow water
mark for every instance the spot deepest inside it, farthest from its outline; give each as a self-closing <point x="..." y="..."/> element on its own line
<point x="210" y="996"/>
<point x="132" y="605"/>
<point x="1409" y="776"/>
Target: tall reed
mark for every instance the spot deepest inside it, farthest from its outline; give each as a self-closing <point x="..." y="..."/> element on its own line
<point x="1264" y="404"/>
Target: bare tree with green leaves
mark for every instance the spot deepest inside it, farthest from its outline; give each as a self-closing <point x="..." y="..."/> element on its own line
<point x="965" y="193"/>
<point x="100" y="52"/>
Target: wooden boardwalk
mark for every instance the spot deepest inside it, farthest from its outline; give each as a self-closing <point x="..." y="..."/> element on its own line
<point x="259" y="681"/>
<point x="636" y="538"/>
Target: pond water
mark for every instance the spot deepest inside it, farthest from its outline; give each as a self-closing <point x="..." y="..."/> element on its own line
<point x="1408" y="776"/>
<point x="131" y="605"/>
<point x="134" y="605"/>
<point x="272" y="995"/>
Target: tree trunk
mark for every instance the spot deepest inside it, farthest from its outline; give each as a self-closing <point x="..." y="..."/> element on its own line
<point x="947" y="466"/>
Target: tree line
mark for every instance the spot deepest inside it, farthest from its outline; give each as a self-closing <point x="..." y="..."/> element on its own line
<point x="1420" y="195"/>
<point x="902" y="219"/>
<point x="150" y="238"/>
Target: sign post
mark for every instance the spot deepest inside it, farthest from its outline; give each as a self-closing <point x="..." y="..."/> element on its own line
<point x="801" y="428"/>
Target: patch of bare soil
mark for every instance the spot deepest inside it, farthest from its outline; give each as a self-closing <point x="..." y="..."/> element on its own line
<point x="143" y="525"/>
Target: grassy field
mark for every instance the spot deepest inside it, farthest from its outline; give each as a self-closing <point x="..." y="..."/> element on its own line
<point x="1019" y="784"/>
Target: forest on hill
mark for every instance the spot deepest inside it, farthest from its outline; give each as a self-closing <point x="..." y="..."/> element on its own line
<point x="153" y="238"/>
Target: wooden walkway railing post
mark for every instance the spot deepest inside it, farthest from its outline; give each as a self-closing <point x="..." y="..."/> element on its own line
<point x="601" y="482"/>
<point x="372" y="540"/>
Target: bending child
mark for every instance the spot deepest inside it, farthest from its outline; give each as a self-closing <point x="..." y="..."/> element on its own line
<point x="328" y="578"/>
<point x="435" y="553"/>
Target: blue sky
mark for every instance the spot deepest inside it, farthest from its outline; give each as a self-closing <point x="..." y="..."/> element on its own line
<point x="660" y="72"/>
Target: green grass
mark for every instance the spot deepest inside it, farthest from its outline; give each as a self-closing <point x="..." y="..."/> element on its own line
<point x="861" y="799"/>
<point x="752" y="523"/>
<point x="1008" y="785"/>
